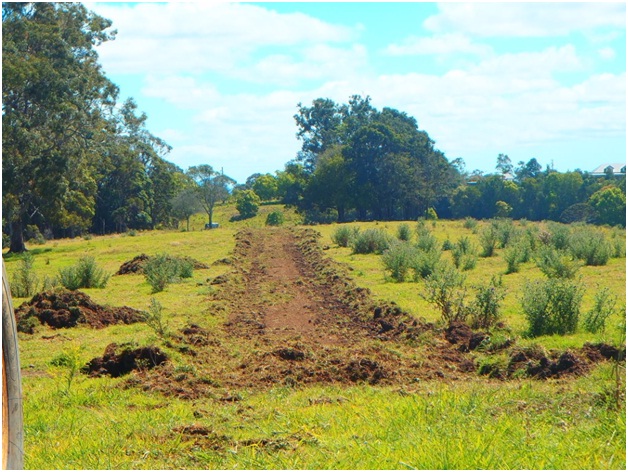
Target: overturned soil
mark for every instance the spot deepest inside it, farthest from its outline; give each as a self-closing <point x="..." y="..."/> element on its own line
<point x="69" y="308"/>
<point x="295" y="317"/>
<point x="122" y="359"/>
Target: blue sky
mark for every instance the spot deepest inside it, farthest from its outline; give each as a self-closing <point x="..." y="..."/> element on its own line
<point x="220" y="82"/>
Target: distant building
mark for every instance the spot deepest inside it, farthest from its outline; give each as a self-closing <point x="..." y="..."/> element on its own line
<point x="617" y="168"/>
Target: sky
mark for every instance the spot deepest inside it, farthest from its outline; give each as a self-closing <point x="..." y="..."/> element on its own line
<point x="220" y="82"/>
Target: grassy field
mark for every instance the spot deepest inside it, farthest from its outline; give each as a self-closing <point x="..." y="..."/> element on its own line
<point x="76" y="422"/>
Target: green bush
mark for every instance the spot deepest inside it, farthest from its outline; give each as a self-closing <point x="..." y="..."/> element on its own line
<point x="343" y="236"/>
<point x="374" y="240"/>
<point x="447" y="245"/>
<point x="603" y="307"/>
<point x="552" y="306"/>
<point x="164" y="269"/>
<point x="430" y="214"/>
<point x="485" y="309"/>
<point x="398" y="259"/>
<point x="33" y="235"/>
<point x="556" y="264"/>
<point x="274" y="218"/>
<point x="85" y="274"/>
<point x="24" y="281"/>
<point x="445" y="288"/>
<point x="426" y="241"/>
<point x="505" y="231"/>
<point x="404" y="233"/>
<point x="425" y="263"/>
<point x="559" y="235"/>
<point x="470" y="223"/>
<point x="516" y="253"/>
<point x="488" y="241"/>
<point x="464" y="254"/>
<point x="154" y="319"/>
<point x="590" y="246"/>
<point x="247" y="204"/>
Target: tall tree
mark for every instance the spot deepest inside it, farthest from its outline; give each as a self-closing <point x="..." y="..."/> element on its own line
<point x="211" y="187"/>
<point x="53" y="99"/>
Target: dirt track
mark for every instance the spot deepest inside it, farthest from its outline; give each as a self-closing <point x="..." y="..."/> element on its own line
<point x="295" y="317"/>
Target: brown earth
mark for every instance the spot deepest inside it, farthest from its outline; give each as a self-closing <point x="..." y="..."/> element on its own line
<point x="69" y="308"/>
<point x="295" y="317"/>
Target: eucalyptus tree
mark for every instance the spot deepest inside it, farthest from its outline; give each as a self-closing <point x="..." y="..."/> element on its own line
<point x="211" y="187"/>
<point x="54" y="101"/>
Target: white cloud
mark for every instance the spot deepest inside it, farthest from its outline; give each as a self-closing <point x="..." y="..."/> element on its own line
<point x="202" y="36"/>
<point x="607" y="53"/>
<point x="526" y="19"/>
<point x="439" y="44"/>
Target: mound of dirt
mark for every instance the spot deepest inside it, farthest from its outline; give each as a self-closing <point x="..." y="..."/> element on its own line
<point x="136" y="265"/>
<point x="536" y="364"/>
<point x="119" y="360"/>
<point x="462" y="335"/>
<point x="69" y="308"/>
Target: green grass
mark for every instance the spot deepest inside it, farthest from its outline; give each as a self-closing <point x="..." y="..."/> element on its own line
<point x="97" y="424"/>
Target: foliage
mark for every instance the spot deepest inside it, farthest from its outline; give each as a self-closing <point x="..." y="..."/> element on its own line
<point x="163" y="269"/>
<point x="184" y="205"/>
<point x="399" y="259"/>
<point x="488" y="240"/>
<point x="374" y="240"/>
<point x="69" y="361"/>
<point x="445" y="288"/>
<point x="603" y="307"/>
<point x="556" y="264"/>
<point x="470" y="223"/>
<point x="590" y="246"/>
<point x="425" y="263"/>
<point x="211" y="187"/>
<point x="275" y="218"/>
<point x="404" y="233"/>
<point x="85" y="274"/>
<point x="343" y="236"/>
<point x="559" y="235"/>
<point x="610" y="205"/>
<point x="154" y="319"/>
<point x="426" y="241"/>
<point x="485" y="310"/>
<point x="552" y="306"/>
<point x="464" y="254"/>
<point x="24" y="281"/>
<point x="247" y="203"/>
<point x="430" y="214"/>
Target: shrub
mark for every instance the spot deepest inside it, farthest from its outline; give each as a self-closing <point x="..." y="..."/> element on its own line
<point x="603" y="307"/>
<point x="374" y="240"/>
<point x="518" y="252"/>
<point x="24" y="281"/>
<point x="85" y="274"/>
<point x="618" y="241"/>
<point x="403" y="232"/>
<point x="426" y="241"/>
<point x="445" y="288"/>
<point x="556" y="264"/>
<point x="154" y="319"/>
<point x="552" y="306"/>
<point x="505" y="231"/>
<point x="344" y="235"/>
<point x="511" y="256"/>
<point x="164" y="269"/>
<point x="275" y="218"/>
<point x="247" y="204"/>
<point x="430" y="214"/>
<point x="398" y="259"/>
<point x="559" y="235"/>
<point x="33" y="235"/>
<point x="488" y="241"/>
<point x="485" y="309"/>
<point x="590" y="246"/>
<point x="425" y="263"/>
<point x="447" y="245"/>
<point x="464" y="254"/>
<point x="470" y="223"/>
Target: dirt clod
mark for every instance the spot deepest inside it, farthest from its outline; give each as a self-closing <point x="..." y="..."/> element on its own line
<point x="69" y="308"/>
<point x="119" y="360"/>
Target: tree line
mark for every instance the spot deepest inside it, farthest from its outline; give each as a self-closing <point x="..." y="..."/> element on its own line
<point x="76" y="160"/>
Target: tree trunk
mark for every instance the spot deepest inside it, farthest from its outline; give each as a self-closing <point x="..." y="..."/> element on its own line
<point x="17" y="237"/>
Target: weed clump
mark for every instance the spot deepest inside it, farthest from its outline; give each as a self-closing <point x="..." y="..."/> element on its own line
<point x="445" y="288"/>
<point x="485" y="309"/>
<point x="556" y="264"/>
<point x="24" y="281"/>
<point x="275" y="218"/>
<point x="590" y="246"/>
<point x="603" y="307"/>
<point x="552" y="306"/>
<point x="343" y="236"/>
<point x="488" y="241"/>
<point x="399" y="259"/>
<point x="374" y="240"/>
<point x="404" y="233"/>
<point x="464" y="254"/>
<point x="164" y="269"/>
<point x="85" y="274"/>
